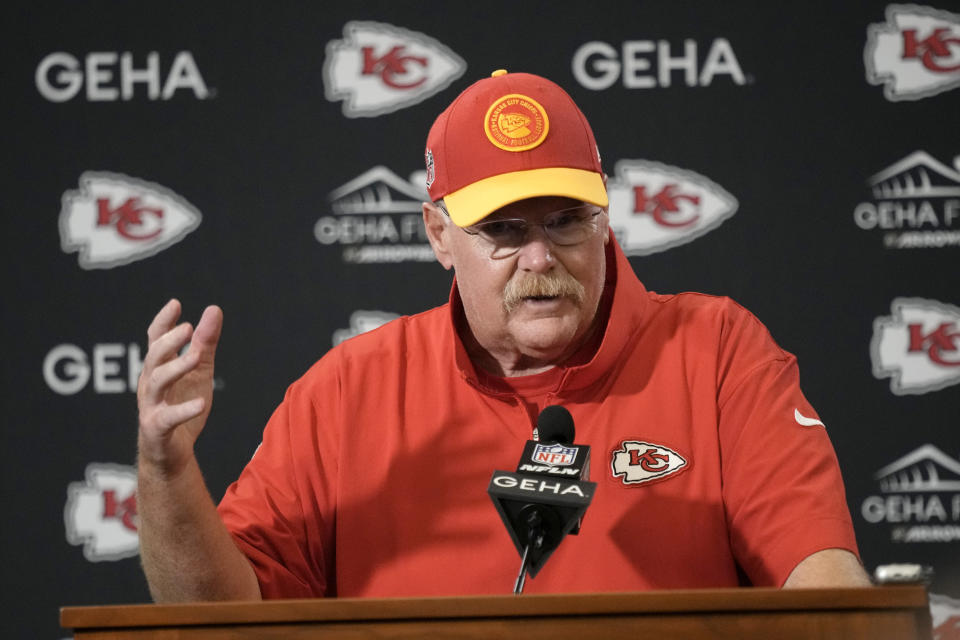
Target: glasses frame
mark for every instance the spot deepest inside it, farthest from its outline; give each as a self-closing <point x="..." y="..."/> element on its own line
<point x="496" y="248"/>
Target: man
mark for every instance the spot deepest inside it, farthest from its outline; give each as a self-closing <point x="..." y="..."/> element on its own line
<point x="371" y="477"/>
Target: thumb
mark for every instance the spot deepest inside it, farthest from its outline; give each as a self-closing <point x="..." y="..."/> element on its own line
<point x="207" y="333"/>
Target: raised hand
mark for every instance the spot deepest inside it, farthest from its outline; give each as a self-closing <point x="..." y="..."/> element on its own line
<point x="175" y="392"/>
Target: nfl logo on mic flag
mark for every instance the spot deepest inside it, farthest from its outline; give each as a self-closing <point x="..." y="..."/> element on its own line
<point x="555" y="454"/>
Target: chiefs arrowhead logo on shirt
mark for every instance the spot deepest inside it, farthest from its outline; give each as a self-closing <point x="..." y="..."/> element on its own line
<point x="641" y="462"/>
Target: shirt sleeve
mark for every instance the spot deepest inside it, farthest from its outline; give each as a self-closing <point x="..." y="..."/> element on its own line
<point x="782" y="488"/>
<point x="280" y="510"/>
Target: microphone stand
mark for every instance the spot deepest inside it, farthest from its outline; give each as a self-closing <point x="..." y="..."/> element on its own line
<point x="535" y="535"/>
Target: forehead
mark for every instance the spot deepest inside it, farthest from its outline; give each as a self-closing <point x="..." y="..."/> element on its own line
<point x="533" y="207"/>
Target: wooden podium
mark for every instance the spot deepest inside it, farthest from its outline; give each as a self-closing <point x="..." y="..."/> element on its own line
<point x="899" y="613"/>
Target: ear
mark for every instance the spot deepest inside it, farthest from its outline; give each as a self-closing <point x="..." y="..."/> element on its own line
<point x="438" y="227"/>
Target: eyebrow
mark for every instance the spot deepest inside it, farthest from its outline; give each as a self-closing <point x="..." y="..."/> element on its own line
<point x="500" y="214"/>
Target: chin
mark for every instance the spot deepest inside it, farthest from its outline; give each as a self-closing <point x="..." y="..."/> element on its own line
<point x="544" y="338"/>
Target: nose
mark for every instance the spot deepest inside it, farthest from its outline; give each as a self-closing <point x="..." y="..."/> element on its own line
<point x="535" y="253"/>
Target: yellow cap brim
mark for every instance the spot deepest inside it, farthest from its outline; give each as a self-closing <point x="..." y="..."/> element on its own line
<point x="476" y="201"/>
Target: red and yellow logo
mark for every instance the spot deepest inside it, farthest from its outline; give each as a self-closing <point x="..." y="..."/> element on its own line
<point x="516" y="122"/>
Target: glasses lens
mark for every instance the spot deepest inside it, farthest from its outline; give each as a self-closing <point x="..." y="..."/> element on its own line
<point x="505" y="234"/>
<point x="570" y="226"/>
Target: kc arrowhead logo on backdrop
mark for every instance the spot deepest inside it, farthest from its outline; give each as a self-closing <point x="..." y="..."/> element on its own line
<point x="101" y="512"/>
<point x="378" y="68"/>
<point x="362" y="321"/>
<point x="915" y="54"/>
<point x="114" y="220"/>
<point x="655" y="207"/>
<point x="642" y="462"/>
<point x="945" y="613"/>
<point x="917" y="346"/>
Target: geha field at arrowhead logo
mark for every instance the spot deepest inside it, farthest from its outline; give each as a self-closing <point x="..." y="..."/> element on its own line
<point x="377" y="218"/>
<point x="915" y="204"/>
<point x="919" y="498"/>
<point x="114" y="219"/>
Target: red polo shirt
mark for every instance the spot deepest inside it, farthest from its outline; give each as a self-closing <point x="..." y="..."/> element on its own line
<point x="371" y="478"/>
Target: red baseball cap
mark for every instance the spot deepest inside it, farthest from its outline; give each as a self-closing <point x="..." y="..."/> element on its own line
<point x="508" y="137"/>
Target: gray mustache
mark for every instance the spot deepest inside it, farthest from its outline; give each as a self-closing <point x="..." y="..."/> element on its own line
<point x="540" y="284"/>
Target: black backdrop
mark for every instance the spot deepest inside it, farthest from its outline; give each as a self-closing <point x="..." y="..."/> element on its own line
<point x="778" y="122"/>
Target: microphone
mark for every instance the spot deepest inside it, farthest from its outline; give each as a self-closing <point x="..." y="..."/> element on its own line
<point x="547" y="496"/>
<point x="555" y="424"/>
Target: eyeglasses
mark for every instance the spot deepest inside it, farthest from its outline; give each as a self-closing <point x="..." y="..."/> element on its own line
<point x="564" y="227"/>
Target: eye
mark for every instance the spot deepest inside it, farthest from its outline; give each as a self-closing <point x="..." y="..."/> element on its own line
<point x="565" y="220"/>
<point x="503" y="229"/>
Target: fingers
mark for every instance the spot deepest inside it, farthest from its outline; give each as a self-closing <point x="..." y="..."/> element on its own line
<point x="161" y="378"/>
<point x="166" y="346"/>
<point x="207" y="334"/>
<point x="162" y="369"/>
<point x="168" y="417"/>
<point x="165" y="320"/>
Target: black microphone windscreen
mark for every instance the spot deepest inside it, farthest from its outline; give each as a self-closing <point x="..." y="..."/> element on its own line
<point x="555" y="424"/>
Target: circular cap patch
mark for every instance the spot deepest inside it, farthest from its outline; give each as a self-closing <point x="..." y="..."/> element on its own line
<point x="516" y="122"/>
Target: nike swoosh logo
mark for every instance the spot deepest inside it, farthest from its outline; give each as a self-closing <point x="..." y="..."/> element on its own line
<point x="804" y="421"/>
